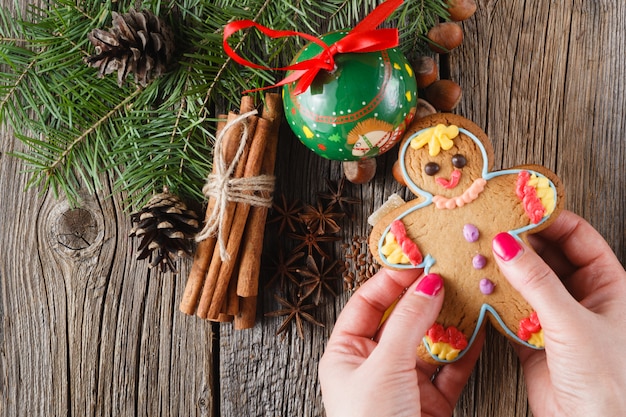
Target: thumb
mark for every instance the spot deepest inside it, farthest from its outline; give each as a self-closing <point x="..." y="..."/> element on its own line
<point x="534" y="280"/>
<point x="411" y="318"/>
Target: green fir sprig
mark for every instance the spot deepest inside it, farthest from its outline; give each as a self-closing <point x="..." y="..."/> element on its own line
<point x="78" y="128"/>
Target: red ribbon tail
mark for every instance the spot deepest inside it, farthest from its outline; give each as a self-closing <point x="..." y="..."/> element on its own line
<point x="305" y="81"/>
<point x="233" y="27"/>
<point x="293" y="76"/>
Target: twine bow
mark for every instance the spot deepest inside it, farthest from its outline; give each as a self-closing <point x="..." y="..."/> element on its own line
<point x="224" y="188"/>
<point x="363" y="38"/>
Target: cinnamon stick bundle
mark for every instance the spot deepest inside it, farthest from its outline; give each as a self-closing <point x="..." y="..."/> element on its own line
<point x="205" y="248"/>
<point x="223" y="290"/>
<point x="211" y="282"/>
<point x="240" y="217"/>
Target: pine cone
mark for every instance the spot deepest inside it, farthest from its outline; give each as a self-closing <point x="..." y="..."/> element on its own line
<point x="139" y="43"/>
<point x="166" y="228"/>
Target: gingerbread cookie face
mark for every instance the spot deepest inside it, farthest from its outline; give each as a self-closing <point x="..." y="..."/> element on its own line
<point x="448" y="170"/>
<point x="462" y="204"/>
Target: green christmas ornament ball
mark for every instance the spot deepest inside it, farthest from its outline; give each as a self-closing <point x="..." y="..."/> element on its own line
<point x="359" y="110"/>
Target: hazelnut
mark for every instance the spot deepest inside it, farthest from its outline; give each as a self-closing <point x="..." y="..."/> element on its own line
<point x="444" y="37"/>
<point x="461" y="9"/>
<point x="426" y="71"/>
<point x="444" y="95"/>
<point x="360" y="172"/>
<point x="396" y="170"/>
<point x="423" y="109"/>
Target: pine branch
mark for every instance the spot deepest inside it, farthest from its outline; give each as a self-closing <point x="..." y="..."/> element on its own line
<point x="228" y="60"/>
<point x="83" y="136"/>
<point x="76" y="127"/>
<point x="13" y="88"/>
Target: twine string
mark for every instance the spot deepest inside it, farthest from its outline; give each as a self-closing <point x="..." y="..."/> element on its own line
<point x="223" y="188"/>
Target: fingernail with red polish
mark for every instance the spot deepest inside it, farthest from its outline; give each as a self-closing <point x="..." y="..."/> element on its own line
<point x="430" y="285"/>
<point x="506" y="247"/>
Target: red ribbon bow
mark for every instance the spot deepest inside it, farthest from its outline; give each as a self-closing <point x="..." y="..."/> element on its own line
<point x="363" y="38"/>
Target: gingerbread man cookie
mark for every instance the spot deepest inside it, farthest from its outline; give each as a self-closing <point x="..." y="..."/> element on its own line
<point x="461" y="204"/>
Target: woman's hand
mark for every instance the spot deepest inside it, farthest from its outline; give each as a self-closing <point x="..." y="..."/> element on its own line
<point x="373" y="370"/>
<point x="582" y="371"/>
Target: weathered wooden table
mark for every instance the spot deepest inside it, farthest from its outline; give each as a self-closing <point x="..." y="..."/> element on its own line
<point x="86" y="330"/>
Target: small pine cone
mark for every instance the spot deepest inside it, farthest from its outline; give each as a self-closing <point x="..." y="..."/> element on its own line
<point x="138" y="42"/>
<point x="166" y="228"/>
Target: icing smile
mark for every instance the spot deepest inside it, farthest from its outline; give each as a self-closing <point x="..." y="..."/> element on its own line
<point x="455" y="177"/>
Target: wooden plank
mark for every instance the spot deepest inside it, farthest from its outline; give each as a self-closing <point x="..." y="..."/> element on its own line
<point x="86" y="328"/>
<point x="535" y="76"/>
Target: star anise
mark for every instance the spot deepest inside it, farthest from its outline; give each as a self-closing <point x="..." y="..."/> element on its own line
<point x="312" y="240"/>
<point x="321" y="220"/>
<point x="284" y="269"/>
<point x="294" y="311"/>
<point x="287" y="214"/>
<point x="335" y="196"/>
<point x="318" y="279"/>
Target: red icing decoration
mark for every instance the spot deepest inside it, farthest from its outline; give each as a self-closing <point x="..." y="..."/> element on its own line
<point x="455" y="177"/>
<point x="409" y="248"/>
<point x="527" y="193"/>
<point x="522" y="180"/>
<point x="451" y="335"/>
<point x="529" y="326"/>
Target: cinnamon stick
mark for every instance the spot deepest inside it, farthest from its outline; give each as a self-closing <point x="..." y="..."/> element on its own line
<point x="235" y="233"/>
<point x="202" y="257"/>
<point x="231" y="304"/>
<point x="250" y="265"/>
<point x="224" y="318"/>
<point x="250" y="257"/>
<point x="247" y="313"/>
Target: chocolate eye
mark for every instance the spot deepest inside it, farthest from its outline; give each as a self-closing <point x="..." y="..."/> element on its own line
<point x="459" y="161"/>
<point x="431" y="168"/>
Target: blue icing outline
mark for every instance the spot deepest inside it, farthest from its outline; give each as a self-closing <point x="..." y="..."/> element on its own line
<point x="429" y="260"/>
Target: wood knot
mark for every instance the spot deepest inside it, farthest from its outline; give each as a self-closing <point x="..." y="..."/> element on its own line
<point x="75" y="232"/>
<point x="77" y="229"/>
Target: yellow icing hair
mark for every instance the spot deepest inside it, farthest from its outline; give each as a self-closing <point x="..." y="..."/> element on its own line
<point x="437" y="138"/>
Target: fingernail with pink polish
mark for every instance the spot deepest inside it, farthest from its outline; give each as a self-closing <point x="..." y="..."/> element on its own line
<point x="506" y="247"/>
<point x="430" y="285"/>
